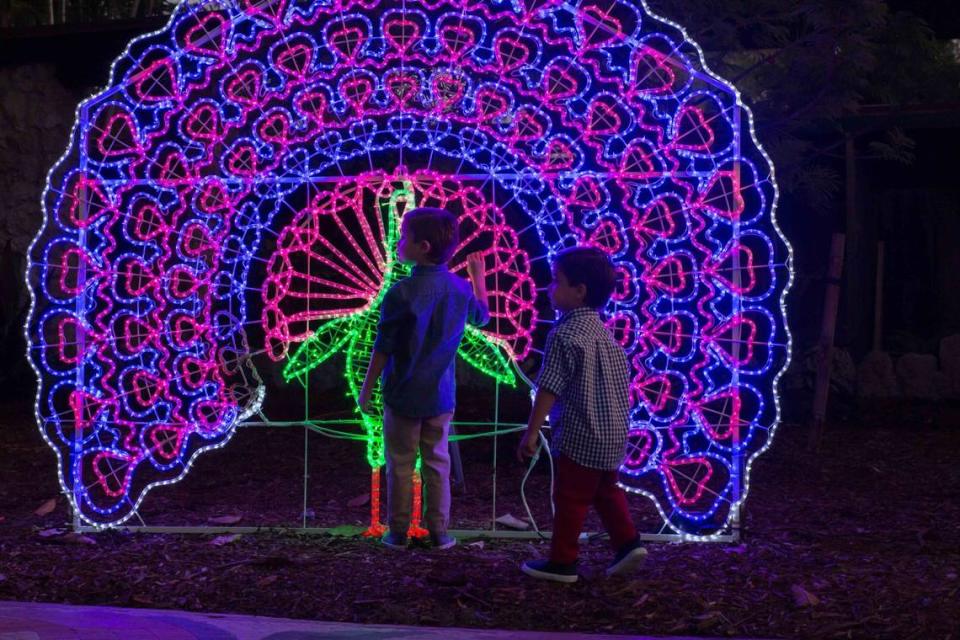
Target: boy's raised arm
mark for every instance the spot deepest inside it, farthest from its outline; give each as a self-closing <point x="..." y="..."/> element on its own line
<point x="481" y="315"/>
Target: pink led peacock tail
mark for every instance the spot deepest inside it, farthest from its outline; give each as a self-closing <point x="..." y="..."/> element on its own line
<point x="234" y="181"/>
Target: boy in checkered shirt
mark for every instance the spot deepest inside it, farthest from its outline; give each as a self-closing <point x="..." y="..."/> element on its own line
<point x="584" y="387"/>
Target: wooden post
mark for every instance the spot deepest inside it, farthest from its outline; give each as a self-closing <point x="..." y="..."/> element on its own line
<point x="878" y="299"/>
<point x="831" y="303"/>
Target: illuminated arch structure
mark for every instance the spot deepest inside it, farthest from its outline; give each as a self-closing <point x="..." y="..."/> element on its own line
<point x="235" y="191"/>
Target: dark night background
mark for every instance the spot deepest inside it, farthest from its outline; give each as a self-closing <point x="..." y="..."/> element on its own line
<point x="858" y="102"/>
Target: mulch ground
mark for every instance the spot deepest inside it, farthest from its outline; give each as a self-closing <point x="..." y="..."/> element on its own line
<point x="862" y="541"/>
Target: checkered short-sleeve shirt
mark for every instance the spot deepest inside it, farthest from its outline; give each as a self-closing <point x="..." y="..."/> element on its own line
<point x="589" y="374"/>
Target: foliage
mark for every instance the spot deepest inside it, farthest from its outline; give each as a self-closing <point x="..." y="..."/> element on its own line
<point x="804" y="66"/>
<point x="20" y="12"/>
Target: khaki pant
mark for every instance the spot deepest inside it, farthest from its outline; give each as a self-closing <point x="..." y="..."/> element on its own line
<point x="403" y="438"/>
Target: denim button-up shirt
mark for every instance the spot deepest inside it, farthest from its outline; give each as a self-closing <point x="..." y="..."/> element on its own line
<point x="422" y="320"/>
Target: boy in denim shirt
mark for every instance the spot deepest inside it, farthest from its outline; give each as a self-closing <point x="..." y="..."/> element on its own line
<point x="584" y="387"/>
<point x="422" y="322"/>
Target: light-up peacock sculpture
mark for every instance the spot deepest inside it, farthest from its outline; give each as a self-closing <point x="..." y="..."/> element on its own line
<point x="235" y="194"/>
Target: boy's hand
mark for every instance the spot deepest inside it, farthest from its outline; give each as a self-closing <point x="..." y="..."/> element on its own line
<point x="364" y="400"/>
<point x="475" y="265"/>
<point x="528" y="446"/>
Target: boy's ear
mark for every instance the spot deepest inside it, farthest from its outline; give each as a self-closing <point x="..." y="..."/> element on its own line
<point x="581" y="290"/>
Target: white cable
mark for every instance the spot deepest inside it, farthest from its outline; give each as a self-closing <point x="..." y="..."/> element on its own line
<point x="544" y="444"/>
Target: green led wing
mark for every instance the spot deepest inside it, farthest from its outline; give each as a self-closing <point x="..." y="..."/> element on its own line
<point x="487" y="356"/>
<point x="327" y="340"/>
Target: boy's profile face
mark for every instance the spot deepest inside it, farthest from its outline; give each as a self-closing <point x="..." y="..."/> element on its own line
<point x="564" y="296"/>
<point x="408" y="250"/>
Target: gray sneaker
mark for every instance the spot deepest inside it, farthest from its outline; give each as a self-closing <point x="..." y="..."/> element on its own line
<point x="546" y="570"/>
<point x="442" y="541"/>
<point x="628" y="559"/>
<point x="394" y="540"/>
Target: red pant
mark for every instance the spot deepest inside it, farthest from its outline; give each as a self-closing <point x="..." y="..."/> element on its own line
<point x="576" y="488"/>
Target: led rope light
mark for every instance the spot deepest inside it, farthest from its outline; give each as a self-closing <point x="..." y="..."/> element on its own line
<point x="294" y="134"/>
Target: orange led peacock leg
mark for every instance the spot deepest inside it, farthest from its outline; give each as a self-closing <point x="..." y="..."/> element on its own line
<point x="358" y="360"/>
<point x="416" y="530"/>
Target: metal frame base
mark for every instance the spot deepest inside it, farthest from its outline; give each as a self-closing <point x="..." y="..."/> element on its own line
<point x="354" y="532"/>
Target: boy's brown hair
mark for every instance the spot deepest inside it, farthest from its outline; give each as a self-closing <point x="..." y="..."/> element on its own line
<point x="592" y="268"/>
<point x="438" y="227"/>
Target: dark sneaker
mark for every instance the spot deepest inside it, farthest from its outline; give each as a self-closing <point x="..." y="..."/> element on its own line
<point x="546" y="570"/>
<point x="628" y="559"/>
<point x="394" y="540"/>
<point x="442" y="541"/>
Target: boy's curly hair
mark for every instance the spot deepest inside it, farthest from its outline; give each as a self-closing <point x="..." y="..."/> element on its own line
<point x="438" y="227"/>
